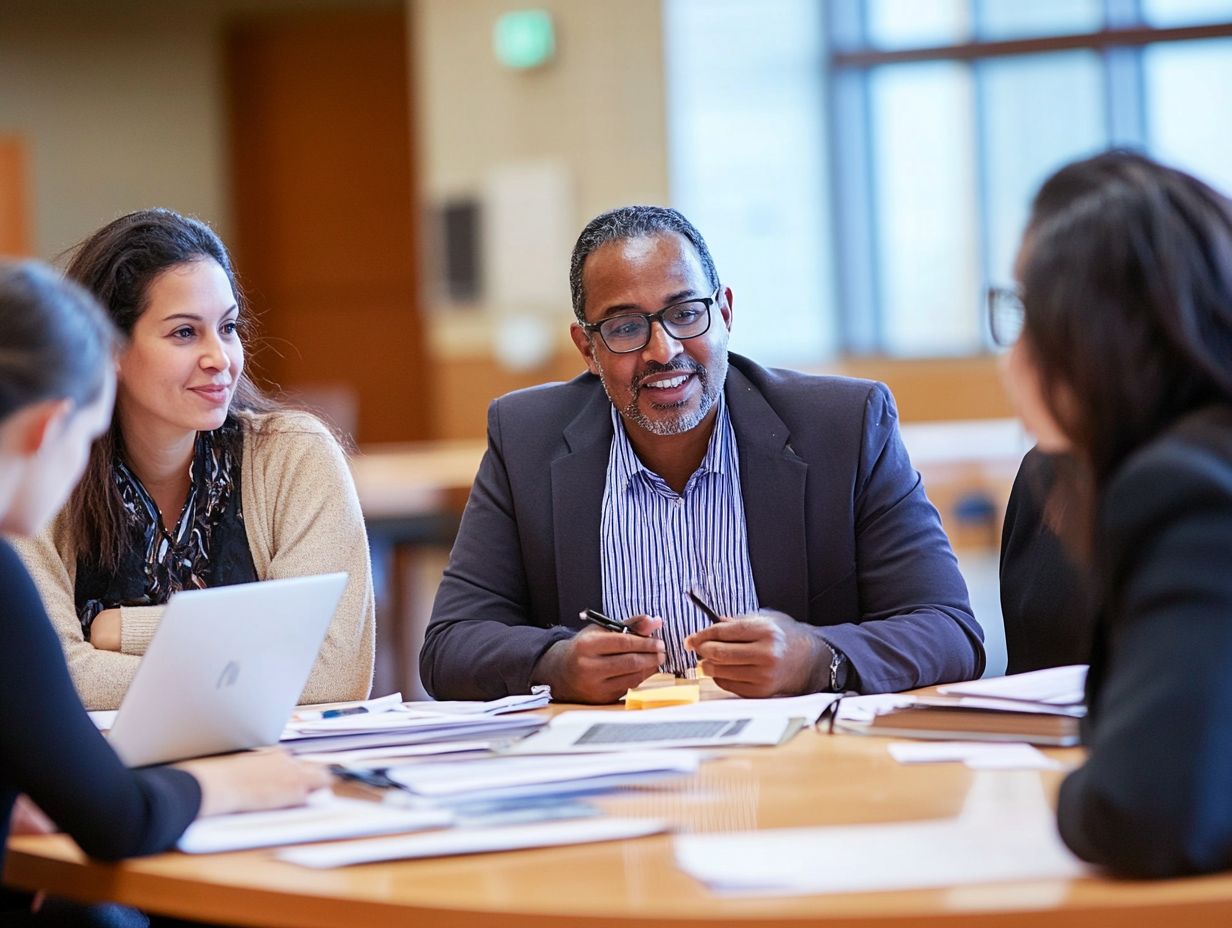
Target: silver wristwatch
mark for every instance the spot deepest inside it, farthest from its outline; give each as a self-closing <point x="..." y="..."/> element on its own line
<point x="837" y="660"/>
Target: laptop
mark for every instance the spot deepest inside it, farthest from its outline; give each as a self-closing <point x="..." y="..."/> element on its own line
<point x="224" y="669"/>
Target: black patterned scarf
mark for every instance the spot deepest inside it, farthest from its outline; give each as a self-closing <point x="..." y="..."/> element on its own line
<point x="207" y="546"/>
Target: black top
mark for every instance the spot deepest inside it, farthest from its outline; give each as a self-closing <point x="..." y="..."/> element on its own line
<point x="51" y="750"/>
<point x="1046" y="598"/>
<point x="208" y="546"/>
<point x="1154" y="798"/>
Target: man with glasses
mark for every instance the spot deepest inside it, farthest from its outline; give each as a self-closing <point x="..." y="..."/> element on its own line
<point x="665" y="487"/>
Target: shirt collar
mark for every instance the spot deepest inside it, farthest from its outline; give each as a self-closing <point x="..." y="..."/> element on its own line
<point x="719" y="457"/>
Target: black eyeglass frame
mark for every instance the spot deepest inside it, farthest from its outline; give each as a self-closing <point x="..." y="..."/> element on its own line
<point x="651" y="318"/>
<point x="1006" y="315"/>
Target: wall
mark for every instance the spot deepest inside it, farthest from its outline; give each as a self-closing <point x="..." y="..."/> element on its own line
<point x="596" y="112"/>
<point x="120" y="105"/>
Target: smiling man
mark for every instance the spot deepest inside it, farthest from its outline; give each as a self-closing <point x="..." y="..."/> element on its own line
<point x="784" y="502"/>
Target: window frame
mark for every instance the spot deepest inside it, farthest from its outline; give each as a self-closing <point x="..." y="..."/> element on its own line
<point x="850" y="62"/>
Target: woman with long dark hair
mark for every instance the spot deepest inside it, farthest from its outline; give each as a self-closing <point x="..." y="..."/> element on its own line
<point x="57" y="383"/>
<point x="1124" y="364"/>
<point x="200" y="480"/>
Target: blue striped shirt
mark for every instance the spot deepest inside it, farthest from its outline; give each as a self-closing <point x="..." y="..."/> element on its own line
<point x="656" y="545"/>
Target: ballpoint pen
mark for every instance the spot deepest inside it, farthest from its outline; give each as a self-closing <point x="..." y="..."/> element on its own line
<point x="595" y="617"/>
<point x="701" y="604"/>
<point x="380" y="704"/>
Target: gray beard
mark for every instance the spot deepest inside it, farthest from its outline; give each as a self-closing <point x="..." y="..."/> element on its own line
<point x="685" y="421"/>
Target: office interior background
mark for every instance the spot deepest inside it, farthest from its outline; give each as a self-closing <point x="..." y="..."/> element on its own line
<point x="401" y="181"/>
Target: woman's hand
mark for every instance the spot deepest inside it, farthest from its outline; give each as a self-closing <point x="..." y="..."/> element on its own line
<point x="249" y="782"/>
<point x="105" y="630"/>
<point x="29" y="819"/>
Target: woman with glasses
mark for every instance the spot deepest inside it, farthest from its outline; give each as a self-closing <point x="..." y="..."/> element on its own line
<point x="56" y="390"/>
<point x="1124" y="364"/>
<point x="199" y="480"/>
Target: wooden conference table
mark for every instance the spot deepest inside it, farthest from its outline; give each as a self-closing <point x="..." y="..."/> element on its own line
<point x="816" y="779"/>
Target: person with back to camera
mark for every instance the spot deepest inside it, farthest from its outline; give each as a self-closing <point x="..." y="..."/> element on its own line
<point x="200" y="480"/>
<point x="56" y="390"/>
<point x="1124" y="362"/>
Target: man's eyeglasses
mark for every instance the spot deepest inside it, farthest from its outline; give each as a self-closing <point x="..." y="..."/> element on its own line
<point x="631" y="331"/>
<point x="1005" y="315"/>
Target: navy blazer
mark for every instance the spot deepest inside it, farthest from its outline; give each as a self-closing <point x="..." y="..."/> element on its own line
<point x="840" y="534"/>
<point x="1154" y="798"/>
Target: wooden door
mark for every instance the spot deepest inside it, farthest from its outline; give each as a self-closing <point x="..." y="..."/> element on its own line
<point x="14" y="197"/>
<point x="324" y="212"/>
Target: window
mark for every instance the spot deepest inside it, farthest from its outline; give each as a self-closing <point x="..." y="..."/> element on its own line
<point x="946" y="115"/>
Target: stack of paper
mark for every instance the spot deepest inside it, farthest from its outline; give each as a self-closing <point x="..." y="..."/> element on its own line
<point x="324" y="818"/>
<point x="537" y="698"/>
<point x="1055" y="686"/>
<point x="400" y="727"/>
<point x="713" y="723"/>
<point x="1041" y="707"/>
<point x="472" y="841"/>
<point x="517" y="778"/>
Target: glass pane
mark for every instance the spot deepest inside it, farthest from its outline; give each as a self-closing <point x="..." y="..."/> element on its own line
<point x="1039" y="112"/>
<point x="1188" y="99"/>
<point x="912" y="23"/>
<point x="1185" y="12"/>
<point x="747" y="164"/>
<point x="925" y="206"/>
<point x="1013" y="19"/>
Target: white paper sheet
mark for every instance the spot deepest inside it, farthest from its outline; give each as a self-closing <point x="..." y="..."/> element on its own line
<point x="326" y="817"/>
<point x="1058" y="686"/>
<point x="368" y="706"/>
<point x="537" y="698"/>
<point x="371" y="758"/>
<point x="808" y="707"/>
<point x="473" y="841"/>
<point x="452" y="779"/>
<point x="103" y="719"/>
<point x="978" y="755"/>
<point x="863" y="708"/>
<point x="874" y="858"/>
<point x="578" y="732"/>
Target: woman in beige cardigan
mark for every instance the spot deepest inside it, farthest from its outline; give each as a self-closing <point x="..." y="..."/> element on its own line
<point x="201" y="480"/>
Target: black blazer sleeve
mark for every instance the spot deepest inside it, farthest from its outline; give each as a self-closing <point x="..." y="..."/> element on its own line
<point x="1155" y="796"/>
<point x="481" y="642"/>
<point x="1046" y="598"/>
<point x="51" y="750"/>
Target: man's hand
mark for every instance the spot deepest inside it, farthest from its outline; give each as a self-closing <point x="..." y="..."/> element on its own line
<point x="765" y="654"/>
<point x="598" y="666"/>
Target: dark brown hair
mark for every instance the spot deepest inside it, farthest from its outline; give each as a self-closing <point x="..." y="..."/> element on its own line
<point x="1127" y="284"/>
<point x="118" y="263"/>
<point x="626" y="222"/>
<point x="57" y="343"/>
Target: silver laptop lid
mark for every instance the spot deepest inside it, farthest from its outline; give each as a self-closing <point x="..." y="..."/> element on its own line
<point x="224" y="669"/>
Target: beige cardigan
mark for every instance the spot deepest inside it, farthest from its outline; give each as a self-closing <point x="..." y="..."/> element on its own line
<point x="302" y="517"/>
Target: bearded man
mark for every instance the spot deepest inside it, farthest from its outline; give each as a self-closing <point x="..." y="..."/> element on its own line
<point x="784" y="502"/>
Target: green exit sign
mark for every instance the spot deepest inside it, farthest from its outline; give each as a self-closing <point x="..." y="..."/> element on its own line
<point x="524" y="39"/>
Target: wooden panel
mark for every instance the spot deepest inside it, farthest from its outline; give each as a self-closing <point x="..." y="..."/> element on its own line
<point x="324" y="209"/>
<point x="470" y="383"/>
<point x="14" y="197"/>
<point x="931" y="389"/>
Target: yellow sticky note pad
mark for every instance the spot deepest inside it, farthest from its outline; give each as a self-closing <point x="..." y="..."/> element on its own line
<point x="659" y="697"/>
